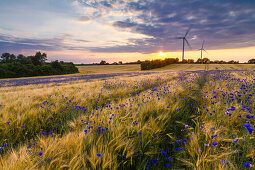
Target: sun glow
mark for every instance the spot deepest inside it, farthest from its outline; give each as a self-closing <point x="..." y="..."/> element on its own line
<point x="161" y="53"/>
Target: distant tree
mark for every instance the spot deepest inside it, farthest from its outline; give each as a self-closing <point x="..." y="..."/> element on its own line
<point x="147" y="64"/>
<point x="251" y="61"/>
<point x="190" y="61"/>
<point x="58" y="69"/>
<point x="39" y="58"/>
<point x="8" y="58"/>
<point x="120" y="62"/>
<point x="205" y="60"/>
<point x="102" y="62"/>
<point x="115" y="63"/>
<point x="215" y="61"/>
<point x="184" y="61"/>
<point x="199" y="60"/>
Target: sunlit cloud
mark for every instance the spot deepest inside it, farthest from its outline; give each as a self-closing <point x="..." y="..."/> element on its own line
<point x="110" y="27"/>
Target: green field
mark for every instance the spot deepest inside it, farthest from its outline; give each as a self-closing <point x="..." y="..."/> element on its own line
<point x="163" y="120"/>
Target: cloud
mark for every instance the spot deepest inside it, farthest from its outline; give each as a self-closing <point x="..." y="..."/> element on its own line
<point x="222" y="24"/>
<point x="84" y="19"/>
<point x="129" y="25"/>
<point x="16" y="44"/>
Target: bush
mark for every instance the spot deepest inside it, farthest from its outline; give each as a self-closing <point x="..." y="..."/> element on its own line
<point x="148" y="65"/>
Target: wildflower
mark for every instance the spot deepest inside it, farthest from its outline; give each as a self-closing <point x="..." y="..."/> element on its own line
<point x="168" y="165"/>
<point x="40" y="153"/>
<point x="99" y="155"/>
<point x="8" y="122"/>
<point x="163" y="152"/>
<point x="235" y="140"/>
<point x="213" y="136"/>
<point x="214" y="143"/>
<point x="248" y="116"/>
<point x="22" y="126"/>
<point x="248" y="127"/>
<point x="154" y="161"/>
<point x="43" y="133"/>
<point x="247" y="164"/>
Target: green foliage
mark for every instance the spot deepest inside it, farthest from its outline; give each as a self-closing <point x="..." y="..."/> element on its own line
<point x="148" y="65"/>
<point x="251" y="61"/>
<point x="22" y="66"/>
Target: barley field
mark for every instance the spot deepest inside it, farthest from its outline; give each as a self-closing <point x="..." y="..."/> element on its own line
<point x="189" y="116"/>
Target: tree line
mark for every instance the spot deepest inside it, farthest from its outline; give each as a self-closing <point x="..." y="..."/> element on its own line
<point x="148" y="65"/>
<point x="12" y="66"/>
<point x="151" y="64"/>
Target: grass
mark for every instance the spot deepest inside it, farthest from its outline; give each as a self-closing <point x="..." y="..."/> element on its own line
<point x="167" y="120"/>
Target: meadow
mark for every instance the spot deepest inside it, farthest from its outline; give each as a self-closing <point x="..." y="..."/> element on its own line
<point x="187" y="116"/>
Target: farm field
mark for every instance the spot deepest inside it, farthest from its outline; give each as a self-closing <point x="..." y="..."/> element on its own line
<point x="110" y="69"/>
<point x="98" y="69"/>
<point x="174" y="119"/>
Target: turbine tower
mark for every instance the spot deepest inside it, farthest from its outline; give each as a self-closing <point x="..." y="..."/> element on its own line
<point x="202" y="49"/>
<point x="183" y="42"/>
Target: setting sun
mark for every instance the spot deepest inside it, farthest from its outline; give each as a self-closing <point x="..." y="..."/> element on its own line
<point x="161" y="53"/>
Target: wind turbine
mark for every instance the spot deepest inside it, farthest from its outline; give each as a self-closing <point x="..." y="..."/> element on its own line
<point x="183" y="42"/>
<point x="202" y="49"/>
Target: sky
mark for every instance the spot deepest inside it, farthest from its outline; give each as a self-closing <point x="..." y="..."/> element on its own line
<point x="88" y="31"/>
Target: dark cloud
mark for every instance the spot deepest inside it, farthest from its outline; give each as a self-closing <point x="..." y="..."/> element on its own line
<point x="15" y="44"/>
<point x="222" y="24"/>
<point x="125" y="24"/>
<point x="84" y="19"/>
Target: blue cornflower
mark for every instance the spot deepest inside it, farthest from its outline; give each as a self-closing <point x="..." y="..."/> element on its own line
<point x="248" y="116"/>
<point x="40" y="153"/>
<point x="214" y="143"/>
<point x="250" y="130"/>
<point x="235" y="140"/>
<point x="246" y="125"/>
<point x="99" y="155"/>
<point x="163" y="152"/>
<point x="247" y="164"/>
<point x="213" y="136"/>
<point x="168" y="165"/>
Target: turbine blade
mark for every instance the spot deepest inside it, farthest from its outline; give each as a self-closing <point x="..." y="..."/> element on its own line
<point x="188" y="31"/>
<point x="203" y="45"/>
<point x="205" y="51"/>
<point x="178" y="37"/>
<point x="188" y="43"/>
